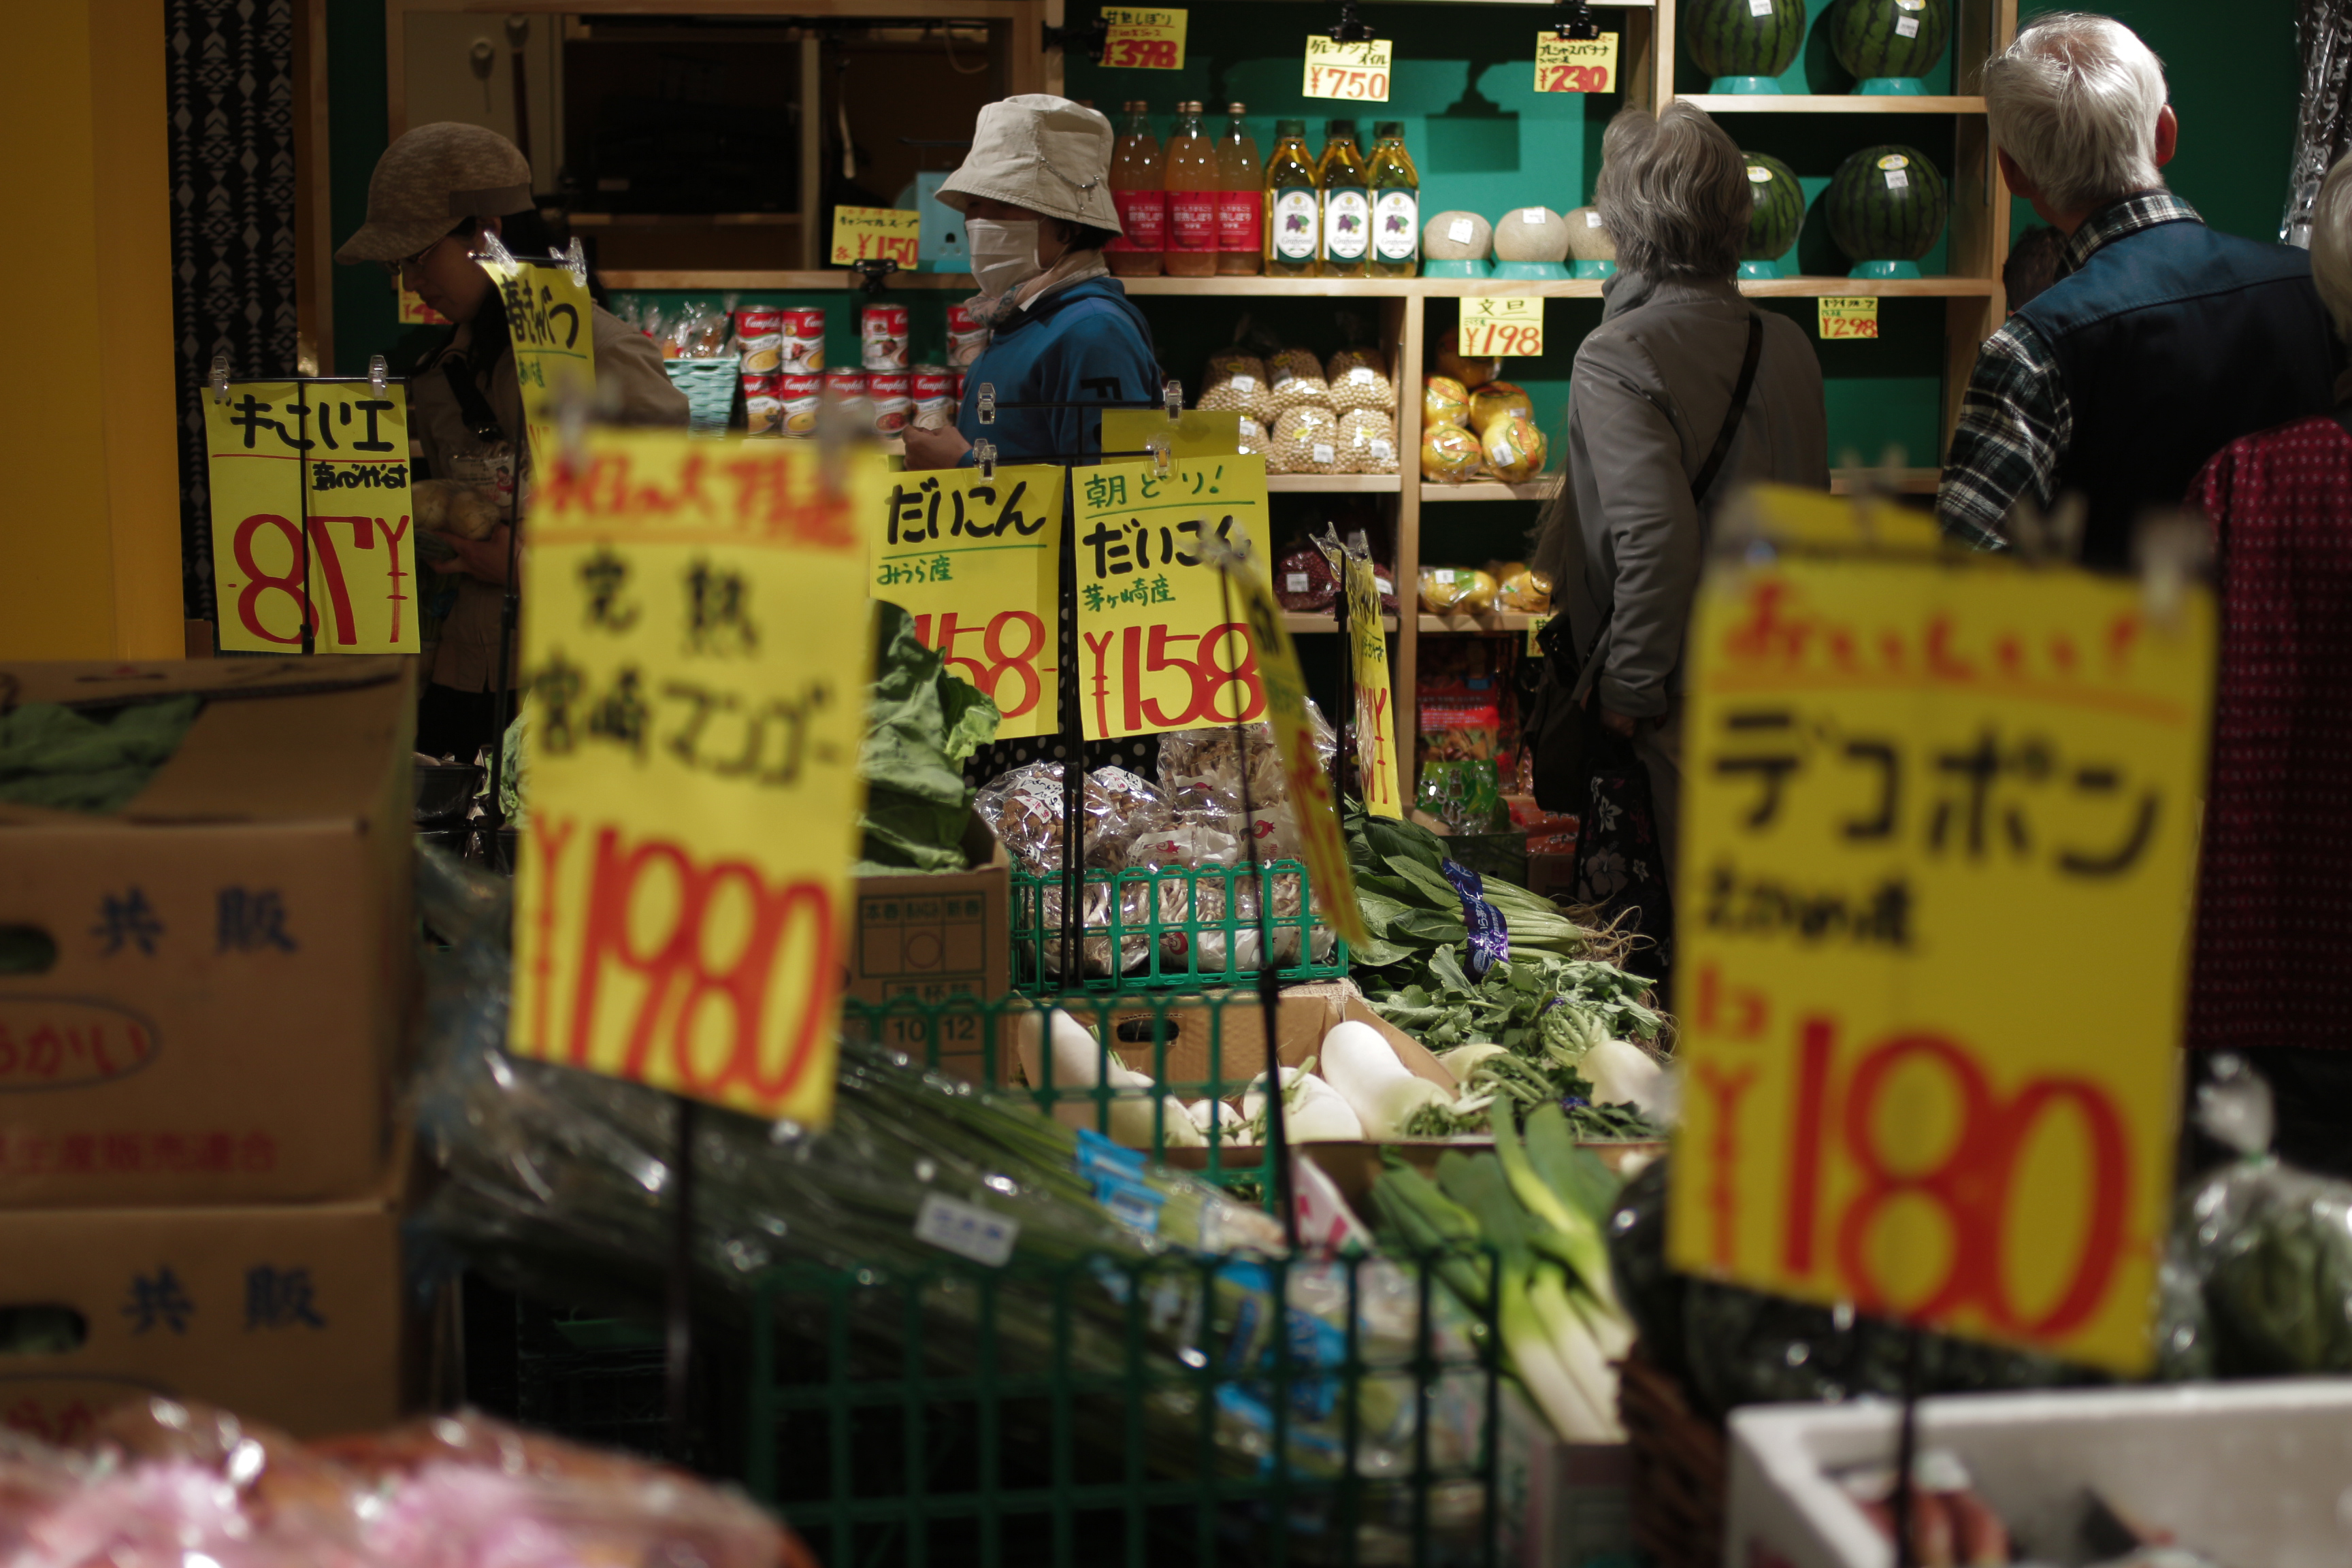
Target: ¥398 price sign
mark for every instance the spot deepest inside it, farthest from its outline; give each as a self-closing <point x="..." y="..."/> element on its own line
<point x="1939" y="848"/>
<point x="1140" y="39"/>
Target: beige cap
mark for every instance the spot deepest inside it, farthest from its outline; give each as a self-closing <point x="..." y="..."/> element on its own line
<point x="431" y="178"/>
<point x="1046" y="154"/>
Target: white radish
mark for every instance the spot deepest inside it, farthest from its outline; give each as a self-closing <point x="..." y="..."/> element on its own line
<point x="1622" y="1073"/>
<point x="1206" y="1113"/>
<point x="1461" y="1059"/>
<point x="1082" y="1065"/>
<point x="1312" y="1110"/>
<point x="1383" y="1092"/>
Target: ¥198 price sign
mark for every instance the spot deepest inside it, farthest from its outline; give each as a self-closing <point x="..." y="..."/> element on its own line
<point x="1502" y="327"/>
<point x="1358" y="72"/>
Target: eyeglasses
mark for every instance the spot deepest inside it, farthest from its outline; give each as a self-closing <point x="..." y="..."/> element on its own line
<point x="393" y="270"/>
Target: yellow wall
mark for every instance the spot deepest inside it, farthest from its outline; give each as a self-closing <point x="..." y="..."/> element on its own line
<point x="90" y="522"/>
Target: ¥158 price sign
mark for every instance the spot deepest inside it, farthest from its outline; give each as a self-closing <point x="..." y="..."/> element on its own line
<point x="1140" y="39"/>
<point x="1576" y="65"/>
<point x="1358" y="72"/>
<point x="975" y="562"/>
<point x="876" y="233"/>
<point x="1506" y="326"/>
<point x="322" y="464"/>
<point x="552" y="324"/>
<point x="1157" y="651"/>
<point x="696" y="649"/>
<point x="1940" y="845"/>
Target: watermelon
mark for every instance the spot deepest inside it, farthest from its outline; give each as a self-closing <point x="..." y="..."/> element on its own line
<point x="1728" y="38"/>
<point x="1886" y="204"/>
<point x="1779" y="208"/>
<point x="1890" y="37"/>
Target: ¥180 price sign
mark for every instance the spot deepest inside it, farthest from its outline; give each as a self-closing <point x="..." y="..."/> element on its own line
<point x="1142" y="39"/>
<point x="1157" y="651"/>
<point x="1939" y="848"/>
<point x="696" y="650"/>
<point x="975" y="562"/>
<point x="1358" y="72"/>
<point x="321" y="465"/>
<point x="1576" y="65"/>
<point x="1502" y="326"/>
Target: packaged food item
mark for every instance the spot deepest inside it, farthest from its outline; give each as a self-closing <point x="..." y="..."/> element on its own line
<point x="1295" y="380"/>
<point x="759" y="337"/>
<point x="1449" y="453"/>
<point x="1358" y="378"/>
<point x="1254" y="440"/>
<point x="1470" y="372"/>
<point x="700" y="330"/>
<point x="1523" y="590"/>
<point x="1497" y="400"/>
<point x="1368" y="437"/>
<point x="1138" y="196"/>
<point x="1444" y="400"/>
<point x="1202" y="771"/>
<point x="1467" y="710"/>
<point x="1306" y="440"/>
<point x="762" y="406"/>
<point x="967" y="339"/>
<point x="891" y="397"/>
<point x="1237" y="380"/>
<point x="1464" y="792"/>
<point x="1455" y="590"/>
<point x="799" y="398"/>
<point x="1514" y="448"/>
<point x="845" y="399"/>
<point x="882" y="332"/>
<point x="1241" y="198"/>
<point x="1303" y="580"/>
<point x="802" y="345"/>
<point x="1023" y="809"/>
<point x="934" y="393"/>
<point x="462" y="507"/>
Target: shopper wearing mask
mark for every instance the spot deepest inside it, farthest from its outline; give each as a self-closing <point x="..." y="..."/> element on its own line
<point x="436" y="195"/>
<point x="1035" y="196"/>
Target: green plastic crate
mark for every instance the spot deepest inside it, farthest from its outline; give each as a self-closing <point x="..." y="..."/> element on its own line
<point x="1171" y="927"/>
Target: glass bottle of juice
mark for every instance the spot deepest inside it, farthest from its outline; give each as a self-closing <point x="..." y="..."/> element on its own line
<point x="1241" y="208"/>
<point x="1293" y="220"/>
<point x="1190" y="177"/>
<point x="1396" y="204"/>
<point x="1347" y="202"/>
<point x="1141" y="201"/>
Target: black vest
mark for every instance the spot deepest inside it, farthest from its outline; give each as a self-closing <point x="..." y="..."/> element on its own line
<point x="2173" y="341"/>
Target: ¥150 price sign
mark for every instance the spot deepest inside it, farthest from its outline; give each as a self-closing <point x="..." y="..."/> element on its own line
<point x="1848" y="316"/>
<point x="876" y="233"/>
<point x="1576" y="65"/>
<point x="1506" y="326"/>
<point x="1358" y="72"/>
<point x="1141" y="40"/>
<point x="1940" y="845"/>
<point x="1157" y="650"/>
<point x="319" y="468"/>
<point x="696" y="651"/>
<point x="975" y="562"/>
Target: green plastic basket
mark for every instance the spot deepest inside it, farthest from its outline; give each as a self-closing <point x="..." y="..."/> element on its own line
<point x="709" y="388"/>
<point x="1171" y="927"/>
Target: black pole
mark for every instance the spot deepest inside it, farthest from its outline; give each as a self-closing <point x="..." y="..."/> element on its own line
<point x="303" y="507"/>
<point x="1906" y="1447"/>
<point x="509" y="618"/>
<point x="680" y="1362"/>
<point x="1068" y="686"/>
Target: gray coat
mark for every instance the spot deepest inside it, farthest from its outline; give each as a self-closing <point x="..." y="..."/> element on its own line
<point x="1652" y="386"/>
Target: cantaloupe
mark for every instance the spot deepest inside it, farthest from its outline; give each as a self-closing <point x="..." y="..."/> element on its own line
<point x="1587" y="240"/>
<point x="1456" y="236"/>
<point x="1531" y="234"/>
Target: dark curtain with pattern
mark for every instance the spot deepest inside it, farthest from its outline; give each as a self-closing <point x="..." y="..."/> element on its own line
<point x="2323" y="132"/>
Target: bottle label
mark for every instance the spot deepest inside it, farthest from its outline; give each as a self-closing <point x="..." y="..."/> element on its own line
<point x="1346" y="225"/>
<point x="1241" y="217"/>
<point x="1143" y="217"/>
<point x="1193" y="221"/>
<point x="1293" y="225"/>
<point x="1396" y="225"/>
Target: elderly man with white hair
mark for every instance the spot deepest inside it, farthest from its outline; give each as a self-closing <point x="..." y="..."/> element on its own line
<point x="2161" y="342"/>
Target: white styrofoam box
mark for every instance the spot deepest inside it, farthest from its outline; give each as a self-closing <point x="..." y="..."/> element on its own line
<point x="1563" y="1505"/>
<point x="2242" y="1472"/>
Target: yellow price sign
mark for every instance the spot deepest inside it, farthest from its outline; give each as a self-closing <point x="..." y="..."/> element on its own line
<point x="1358" y="72"/>
<point x="1848" y="316"/>
<point x="1157" y="650"/>
<point x="1939" y="841"/>
<point x="415" y="312"/>
<point x="551" y="321"/>
<point x="1508" y="326"/>
<point x="976" y="562"/>
<point x="876" y="233"/>
<point x="1576" y="65"/>
<point x="1195" y="433"/>
<point x="1376" y="765"/>
<point x="311" y="516"/>
<point x="1143" y="40"/>
<point x="697" y="644"/>
<point x="1536" y="625"/>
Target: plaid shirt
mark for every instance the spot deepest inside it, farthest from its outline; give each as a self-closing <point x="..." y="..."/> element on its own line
<point x="2015" y="420"/>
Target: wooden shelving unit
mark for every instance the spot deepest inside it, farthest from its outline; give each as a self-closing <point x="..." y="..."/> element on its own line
<point x="1829" y="104"/>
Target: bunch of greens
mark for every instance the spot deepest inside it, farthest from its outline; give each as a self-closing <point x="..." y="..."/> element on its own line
<point x="55" y="756"/>
<point x="921" y="723"/>
<point x="1412" y="911"/>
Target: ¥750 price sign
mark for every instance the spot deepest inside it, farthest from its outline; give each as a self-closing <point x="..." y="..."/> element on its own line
<point x="695" y="645"/>
<point x="1157" y="650"/>
<point x="975" y="561"/>
<point x="1938" y="847"/>
<point x="1502" y="326"/>
<point x="1359" y="71"/>
<point x="321" y="465"/>
<point x="1143" y="39"/>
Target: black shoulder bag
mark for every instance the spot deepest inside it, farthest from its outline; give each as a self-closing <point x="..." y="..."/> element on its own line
<point x="1561" y="725"/>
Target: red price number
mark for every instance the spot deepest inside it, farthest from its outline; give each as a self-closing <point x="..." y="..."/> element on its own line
<point x="368" y="534"/>
<point x="1502" y="339"/>
<point x="1141" y="54"/>
<point x="1348" y="81"/>
<point x="1574" y="78"/>
<point x="1009" y="646"/>
<point x="866" y="245"/>
<point x="1144" y="652"/>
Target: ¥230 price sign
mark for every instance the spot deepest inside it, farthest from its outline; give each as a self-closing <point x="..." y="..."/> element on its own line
<point x="1502" y="327"/>
<point x="1939" y="848"/>
<point x="975" y="562"/>
<point x="1358" y="72"/>
<point x="1157" y="650"/>
<point x="1576" y="65"/>
<point x="1141" y="40"/>
<point x="697" y="651"/>
<point x="322" y="465"/>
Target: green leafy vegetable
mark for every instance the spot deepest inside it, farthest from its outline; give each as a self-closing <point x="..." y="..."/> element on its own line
<point x="923" y="723"/>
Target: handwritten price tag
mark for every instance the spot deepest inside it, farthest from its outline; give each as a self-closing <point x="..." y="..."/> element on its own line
<point x="1143" y="40"/>
<point x="974" y="560"/>
<point x="874" y="234"/>
<point x="1849" y="315"/>
<point x="1502" y="327"/>
<point x="1891" y="758"/>
<point x="1576" y="65"/>
<point x="415" y="312"/>
<point x="1158" y="650"/>
<point x="1359" y="72"/>
<point x="696" y="649"/>
<point x="551" y="319"/>
<point x="323" y="464"/>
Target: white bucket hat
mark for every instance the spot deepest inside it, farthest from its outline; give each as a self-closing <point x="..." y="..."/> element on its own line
<point x="1043" y="153"/>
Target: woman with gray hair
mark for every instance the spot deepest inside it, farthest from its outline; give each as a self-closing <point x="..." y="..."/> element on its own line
<point x="1680" y="395"/>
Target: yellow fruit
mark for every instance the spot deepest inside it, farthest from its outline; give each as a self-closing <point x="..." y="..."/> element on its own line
<point x="1444" y="400"/>
<point x="1515" y="449"/>
<point x="1525" y="590"/>
<point x="1495" y="399"/>
<point x="1449" y="453"/>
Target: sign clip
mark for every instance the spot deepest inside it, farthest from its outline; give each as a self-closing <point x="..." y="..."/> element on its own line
<point x="379" y="375"/>
<point x="1573" y="21"/>
<point x="1159" y="448"/>
<point x="874" y="271"/>
<point x="987" y="403"/>
<point x="1349" y="29"/>
<point x="219" y="377"/>
<point x="983" y="454"/>
<point x="1173" y="396"/>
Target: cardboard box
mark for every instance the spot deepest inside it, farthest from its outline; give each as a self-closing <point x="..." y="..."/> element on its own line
<point x="1560" y="1505"/>
<point x="1229" y="1035"/>
<point x="232" y="958"/>
<point x="931" y="937"/>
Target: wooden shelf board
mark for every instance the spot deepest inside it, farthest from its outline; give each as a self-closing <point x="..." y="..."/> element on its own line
<point x="1908" y="481"/>
<point x="835" y="278"/>
<point x="1884" y="287"/>
<point x="684" y="220"/>
<point x="1303" y="288"/>
<point x="1484" y="624"/>
<point x="1300" y="621"/>
<point x="1488" y="489"/>
<point x="1827" y="104"/>
<point x="1335" y="484"/>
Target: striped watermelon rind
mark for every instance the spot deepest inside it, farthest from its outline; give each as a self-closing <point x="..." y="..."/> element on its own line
<point x="1871" y="223"/>
<point x="1725" y="37"/>
<point x="1864" y="38"/>
<point x="1779" y="209"/>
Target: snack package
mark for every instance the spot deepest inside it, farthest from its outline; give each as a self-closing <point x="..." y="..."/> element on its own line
<point x="700" y="330"/>
<point x="1236" y="380"/>
<point x="1455" y="590"/>
<point x="1295" y="380"/>
<point x="1359" y="379"/>
<point x="1254" y="441"/>
<point x="1023" y="809"/>
<point x="1522" y="589"/>
<point x="1306" y="440"/>
<point x="1368" y="438"/>
<point x="1303" y="581"/>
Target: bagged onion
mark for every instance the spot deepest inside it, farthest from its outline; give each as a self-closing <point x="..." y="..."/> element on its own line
<point x="1307" y="441"/>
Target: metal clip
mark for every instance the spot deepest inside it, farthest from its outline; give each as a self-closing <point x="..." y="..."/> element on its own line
<point x="874" y="271"/>
<point x="379" y="375"/>
<point x="1173" y="396"/>
<point x="1574" y="22"/>
<point x="984" y="456"/>
<point x="219" y="377"/>
<point x="1349" y="30"/>
<point x="575" y="261"/>
<point x="1163" y="451"/>
<point x="493" y="249"/>
<point x="987" y="403"/>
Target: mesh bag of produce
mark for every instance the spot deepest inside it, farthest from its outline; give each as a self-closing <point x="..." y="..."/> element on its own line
<point x="1358" y="378"/>
<point x="1307" y="441"/>
<point x="1236" y="380"/>
<point x="1370" y="439"/>
<point x="1295" y="380"/>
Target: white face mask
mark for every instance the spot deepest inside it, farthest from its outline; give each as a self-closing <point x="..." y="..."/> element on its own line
<point x="1004" y="255"/>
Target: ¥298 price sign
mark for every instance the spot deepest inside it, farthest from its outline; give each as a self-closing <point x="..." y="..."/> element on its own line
<point x="974" y="560"/>
<point x="1157" y="650"/>
<point x="1939" y="844"/>
<point x="1576" y="65"/>
<point x="1358" y="72"/>
<point x="321" y="468"/>
<point x="696" y="651"/>
<point x="1142" y="39"/>
<point x="1502" y="326"/>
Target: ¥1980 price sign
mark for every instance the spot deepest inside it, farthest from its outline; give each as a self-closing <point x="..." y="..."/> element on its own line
<point x="1502" y="326"/>
<point x="1358" y="72"/>
<point x="1142" y="39"/>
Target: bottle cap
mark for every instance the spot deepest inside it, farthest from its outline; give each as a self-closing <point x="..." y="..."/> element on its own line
<point x="1237" y="108"/>
<point x="1333" y="129"/>
<point x="1290" y="128"/>
<point x="1188" y="107"/>
<point x="1390" y="128"/>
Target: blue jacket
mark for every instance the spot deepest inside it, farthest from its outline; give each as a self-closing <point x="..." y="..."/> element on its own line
<point x="1086" y="341"/>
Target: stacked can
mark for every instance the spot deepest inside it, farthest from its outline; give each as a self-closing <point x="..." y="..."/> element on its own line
<point x="759" y="341"/>
<point x="804" y="342"/>
<point x="882" y="331"/>
<point x="934" y="388"/>
<point x="799" y="398"/>
<point x="845" y="399"/>
<point x="967" y="339"/>
<point x="891" y="393"/>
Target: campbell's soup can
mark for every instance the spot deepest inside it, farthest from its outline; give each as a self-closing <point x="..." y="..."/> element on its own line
<point x="803" y="341"/>
<point x="760" y="329"/>
<point x="959" y="389"/>
<point x="892" y="396"/>
<point x="933" y="387"/>
<point x="967" y="339"/>
<point x="845" y="393"/>
<point x="800" y="396"/>
<point x="882" y="331"/>
<point x="762" y="404"/>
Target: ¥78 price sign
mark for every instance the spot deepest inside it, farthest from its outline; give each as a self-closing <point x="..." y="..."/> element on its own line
<point x="696" y="645"/>
<point x="975" y="561"/>
<point x="1939" y="844"/>
<point x="1502" y="326"/>
<point x="1358" y="72"/>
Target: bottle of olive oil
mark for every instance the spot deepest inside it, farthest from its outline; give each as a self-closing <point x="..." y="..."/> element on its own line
<point x="1396" y="204"/>
<point x="1347" y="202"/>
<point x="1292" y="213"/>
